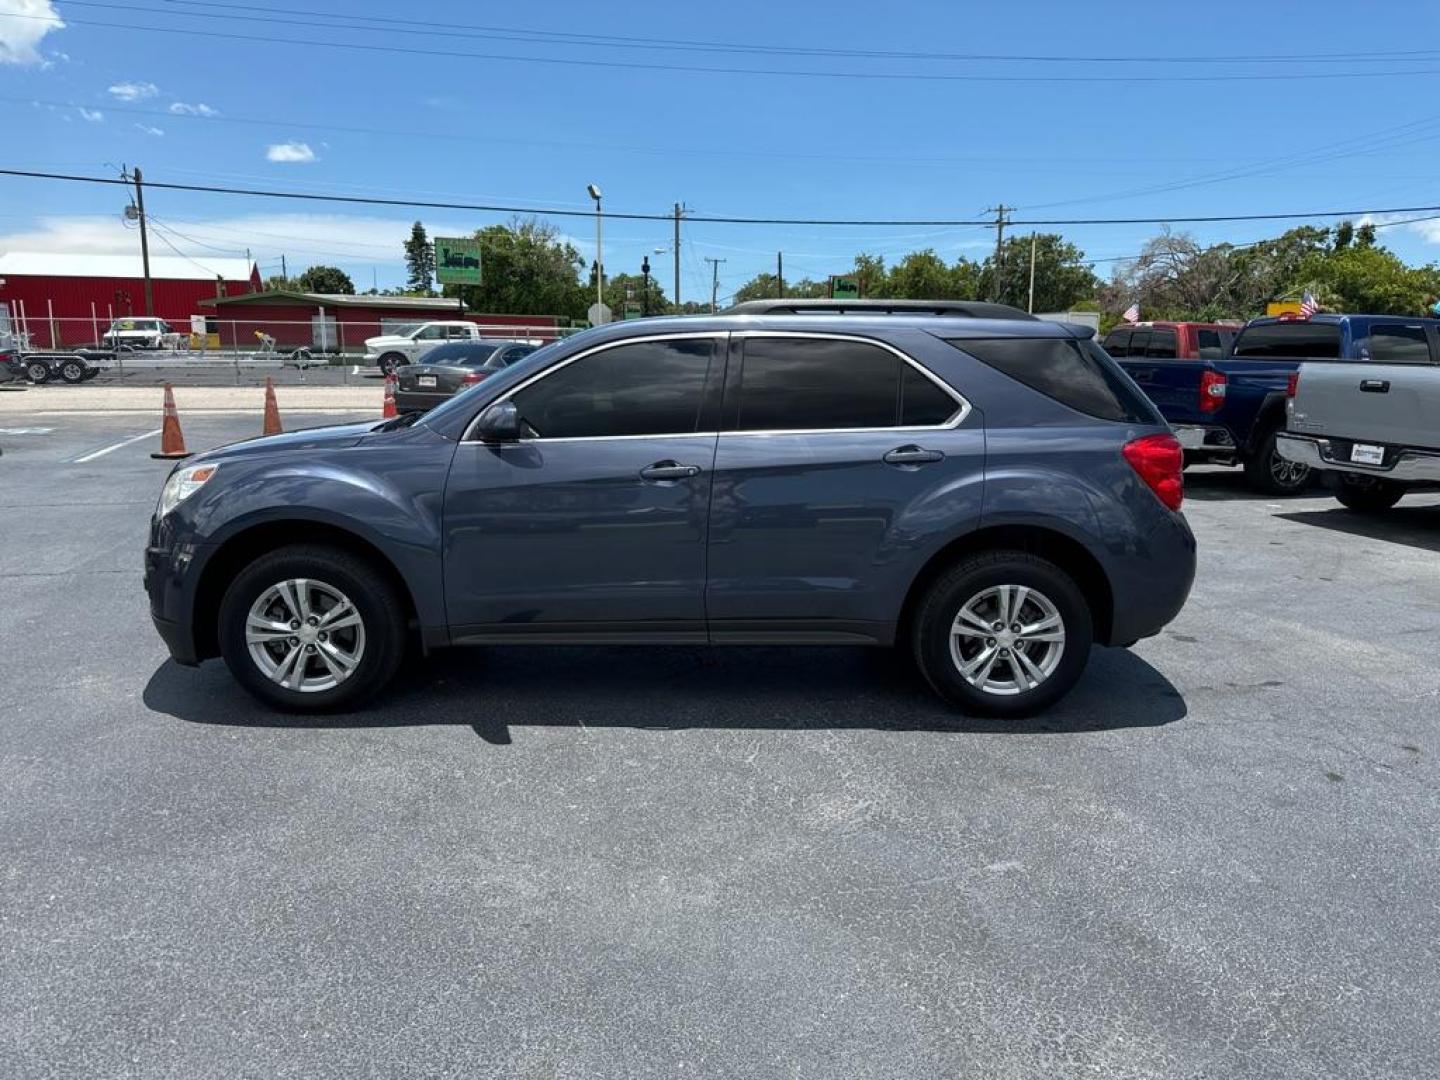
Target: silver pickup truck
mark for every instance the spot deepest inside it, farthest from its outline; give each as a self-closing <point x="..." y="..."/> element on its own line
<point x="1371" y="430"/>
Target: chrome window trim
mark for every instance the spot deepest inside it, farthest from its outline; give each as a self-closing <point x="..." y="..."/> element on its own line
<point x="687" y="335"/>
<point x="964" y="406"/>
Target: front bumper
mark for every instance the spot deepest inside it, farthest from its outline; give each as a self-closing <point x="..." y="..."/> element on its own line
<point x="1404" y="465"/>
<point x="169" y="581"/>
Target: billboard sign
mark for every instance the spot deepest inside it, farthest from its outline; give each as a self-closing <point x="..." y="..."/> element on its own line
<point x="457" y="260"/>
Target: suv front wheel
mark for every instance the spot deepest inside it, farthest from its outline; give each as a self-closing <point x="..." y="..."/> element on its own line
<point x="1003" y="634"/>
<point x="312" y="629"/>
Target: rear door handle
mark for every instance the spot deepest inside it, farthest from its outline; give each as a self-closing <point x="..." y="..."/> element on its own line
<point x="1374" y="386"/>
<point x="912" y="455"/>
<point x="669" y="470"/>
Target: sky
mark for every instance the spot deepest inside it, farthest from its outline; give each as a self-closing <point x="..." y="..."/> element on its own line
<point x="926" y="110"/>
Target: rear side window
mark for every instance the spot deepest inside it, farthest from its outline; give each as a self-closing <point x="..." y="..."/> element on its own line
<point x="1079" y="375"/>
<point x="1399" y="344"/>
<point x="1162" y="345"/>
<point x="1269" y="341"/>
<point x="1117" y="343"/>
<point x="1210" y="344"/>
<point x="823" y="384"/>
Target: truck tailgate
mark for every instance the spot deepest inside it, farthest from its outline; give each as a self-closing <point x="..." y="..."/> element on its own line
<point x="1393" y="404"/>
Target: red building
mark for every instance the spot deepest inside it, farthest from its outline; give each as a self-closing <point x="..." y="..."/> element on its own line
<point x="336" y="322"/>
<point x="69" y="299"/>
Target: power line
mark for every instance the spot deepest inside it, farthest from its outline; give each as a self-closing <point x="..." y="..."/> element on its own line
<point x="362" y="200"/>
<point x="690" y="69"/>
<point x="590" y="40"/>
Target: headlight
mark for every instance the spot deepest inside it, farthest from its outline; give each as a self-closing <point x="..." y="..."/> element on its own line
<point x="182" y="484"/>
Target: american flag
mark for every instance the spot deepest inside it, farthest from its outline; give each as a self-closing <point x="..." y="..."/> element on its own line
<point x="1131" y="313"/>
<point x="1308" y="306"/>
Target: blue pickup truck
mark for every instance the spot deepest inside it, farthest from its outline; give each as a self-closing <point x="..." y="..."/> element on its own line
<point x="1229" y="410"/>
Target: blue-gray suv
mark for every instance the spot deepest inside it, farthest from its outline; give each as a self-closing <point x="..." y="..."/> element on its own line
<point x="993" y="494"/>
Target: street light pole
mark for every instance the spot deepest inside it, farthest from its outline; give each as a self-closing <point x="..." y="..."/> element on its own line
<point x="599" y="248"/>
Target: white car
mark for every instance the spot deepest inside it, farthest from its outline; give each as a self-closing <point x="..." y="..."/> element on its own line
<point x="146" y="333"/>
<point x="390" y="351"/>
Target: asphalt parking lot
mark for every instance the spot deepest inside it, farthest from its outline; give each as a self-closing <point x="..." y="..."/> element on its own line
<point x="1217" y="858"/>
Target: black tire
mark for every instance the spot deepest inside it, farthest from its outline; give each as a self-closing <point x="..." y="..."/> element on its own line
<point x="73" y="372"/>
<point x="37" y="371"/>
<point x="1270" y="474"/>
<point x="91" y="373"/>
<point x="390" y="361"/>
<point x="1365" y="494"/>
<point x="971" y="577"/>
<point x="381" y="611"/>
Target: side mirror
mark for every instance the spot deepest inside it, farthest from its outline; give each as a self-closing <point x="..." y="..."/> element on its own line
<point x="500" y="423"/>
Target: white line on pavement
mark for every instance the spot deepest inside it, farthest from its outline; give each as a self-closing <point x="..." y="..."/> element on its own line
<point x="26" y="430"/>
<point x="115" y="446"/>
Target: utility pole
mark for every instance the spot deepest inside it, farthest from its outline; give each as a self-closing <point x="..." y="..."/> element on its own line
<point x="714" y="280"/>
<point x="1031" y="307"/>
<point x="144" y="242"/>
<point x="285" y="273"/>
<point x="679" y="209"/>
<point x="780" y="274"/>
<point x="1000" y="222"/>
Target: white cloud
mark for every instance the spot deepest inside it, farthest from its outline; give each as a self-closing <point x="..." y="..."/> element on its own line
<point x="149" y="130"/>
<point x="180" y="108"/>
<point x="20" y="36"/>
<point x="95" y="116"/>
<point x="289" y="151"/>
<point x="132" y="91"/>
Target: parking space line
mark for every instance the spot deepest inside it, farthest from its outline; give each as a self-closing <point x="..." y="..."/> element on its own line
<point x="115" y="446"/>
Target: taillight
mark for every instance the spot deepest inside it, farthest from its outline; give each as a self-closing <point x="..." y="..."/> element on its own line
<point x="473" y="377"/>
<point x="1160" y="462"/>
<point x="1212" y="390"/>
<point x="1292" y="385"/>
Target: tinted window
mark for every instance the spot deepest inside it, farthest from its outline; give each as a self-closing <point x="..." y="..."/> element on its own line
<point x="472" y="354"/>
<point x="1162" y="345"/>
<point x="1211" y="345"/>
<point x="1318" y="341"/>
<point x="643" y="388"/>
<point x="1396" y="344"/>
<point x="799" y="384"/>
<point x="1117" y="342"/>
<point x="431" y="333"/>
<point x="1080" y="376"/>
<point x="922" y="402"/>
<point x="1139" y="342"/>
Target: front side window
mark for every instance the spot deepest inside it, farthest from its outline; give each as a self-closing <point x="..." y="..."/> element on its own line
<point x="1399" y="344"/>
<point x="431" y="333"/>
<point x="820" y="384"/>
<point x="640" y="388"/>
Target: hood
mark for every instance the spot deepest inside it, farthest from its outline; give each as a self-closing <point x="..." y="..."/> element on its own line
<point x="387" y="339"/>
<point x="330" y="437"/>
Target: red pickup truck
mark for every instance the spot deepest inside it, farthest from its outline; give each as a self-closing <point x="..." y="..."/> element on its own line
<point x="1171" y="340"/>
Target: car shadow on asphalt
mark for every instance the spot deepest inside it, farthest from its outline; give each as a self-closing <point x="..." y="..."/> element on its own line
<point x="493" y="690"/>
<point x="1414" y="526"/>
<point x="1212" y="484"/>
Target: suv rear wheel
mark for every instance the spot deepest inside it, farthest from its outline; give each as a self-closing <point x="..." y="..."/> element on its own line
<point x="312" y="629"/>
<point x="1003" y="633"/>
<point x="1272" y="474"/>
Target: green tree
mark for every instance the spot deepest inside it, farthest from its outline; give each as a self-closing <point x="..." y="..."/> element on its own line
<point x="623" y="288"/>
<point x="924" y="275"/>
<point x="419" y="262"/>
<point x="326" y="279"/>
<point x="763" y="287"/>
<point x="527" y="269"/>
<point x="281" y="283"/>
<point x="1366" y="278"/>
<point x="1062" y="277"/>
<point x="869" y="272"/>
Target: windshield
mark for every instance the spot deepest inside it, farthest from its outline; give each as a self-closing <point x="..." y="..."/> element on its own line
<point x="463" y="401"/>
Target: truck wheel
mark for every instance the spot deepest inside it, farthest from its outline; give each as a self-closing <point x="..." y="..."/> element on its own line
<point x="1002" y="633"/>
<point x="312" y="629"/>
<point x="390" y="361"/>
<point x="37" y="371"/>
<point x="73" y="372"/>
<point x="1270" y="474"/>
<point x="1366" y="494"/>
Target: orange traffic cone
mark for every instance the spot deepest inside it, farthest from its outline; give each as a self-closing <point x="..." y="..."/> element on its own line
<point x="389" y="411"/>
<point x="272" y="410"/>
<point x="172" y="440"/>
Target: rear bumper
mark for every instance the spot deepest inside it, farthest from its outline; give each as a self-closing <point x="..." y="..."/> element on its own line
<point x="1151" y="583"/>
<point x="413" y="401"/>
<point x="1404" y="465"/>
<point x="1204" y="437"/>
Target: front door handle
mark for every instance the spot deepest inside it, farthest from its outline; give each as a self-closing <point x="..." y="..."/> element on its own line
<point x="912" y="455"/>
<point x="669" y="470"/>
<point x="1374" y="386"/>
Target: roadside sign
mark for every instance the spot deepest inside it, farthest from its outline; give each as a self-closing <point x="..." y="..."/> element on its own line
<point x="844" y="288"/>
<point x="1282" y="307"/>
<point x="599" y="314"/>
<point x="457" y="260"/>
<point x="632" y="309"/>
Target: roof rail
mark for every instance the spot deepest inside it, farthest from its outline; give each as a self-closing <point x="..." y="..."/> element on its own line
<point x="966" y="309"/>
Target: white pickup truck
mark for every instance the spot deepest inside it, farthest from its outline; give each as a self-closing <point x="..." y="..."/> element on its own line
<point x="1371" y="430"/>
<point x="390" y="351"/>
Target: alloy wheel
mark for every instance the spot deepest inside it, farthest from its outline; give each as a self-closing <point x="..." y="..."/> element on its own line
<point x="1007" y="640"/>
<point x="305" y="635"/>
